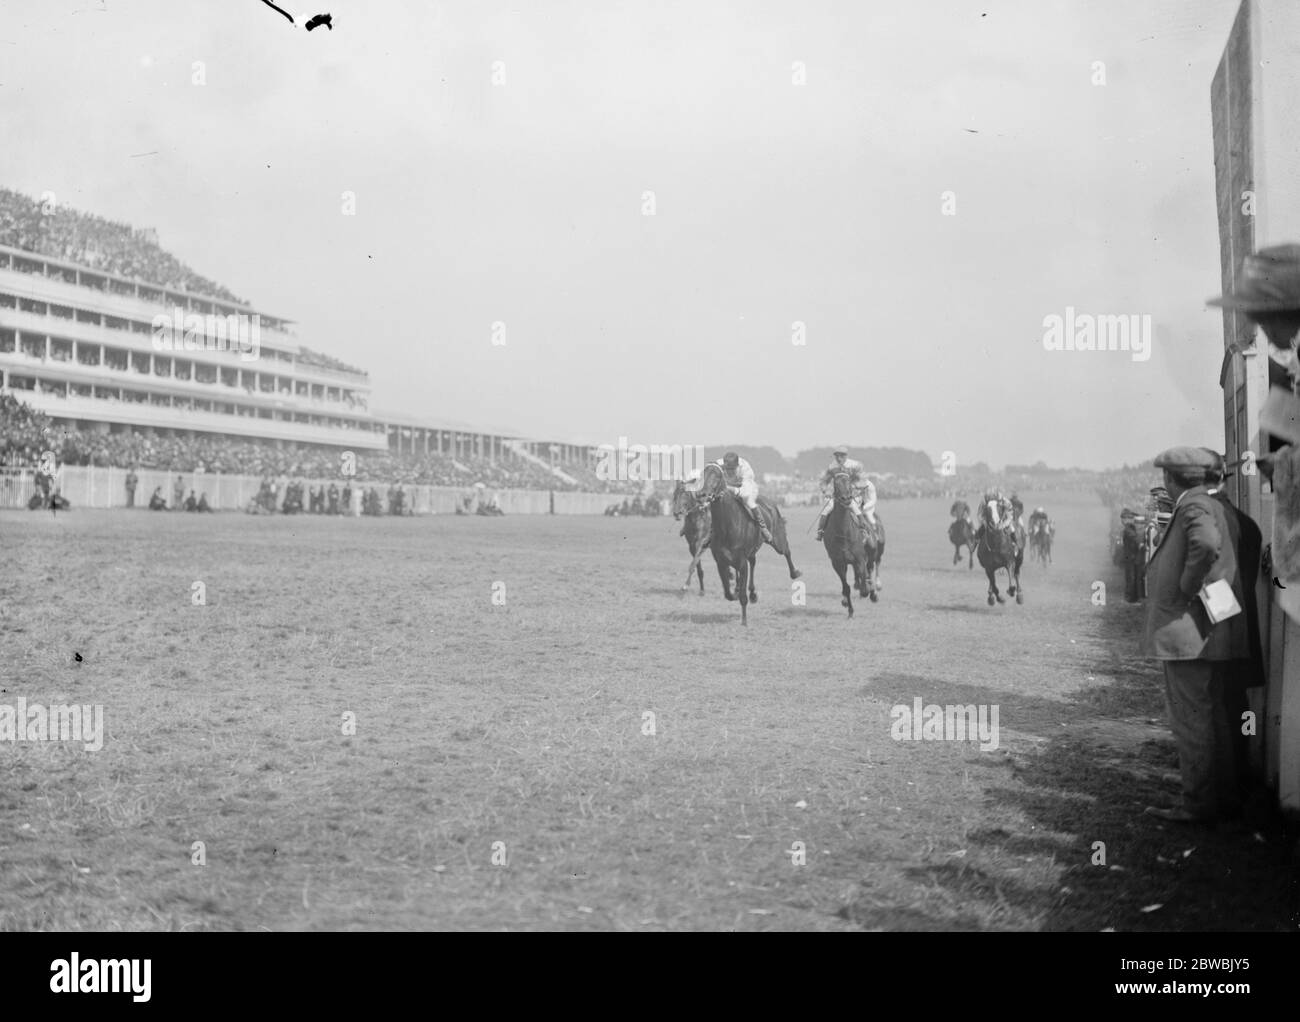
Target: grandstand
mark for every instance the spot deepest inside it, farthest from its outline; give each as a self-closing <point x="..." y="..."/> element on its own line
<point x="80" y="343"/>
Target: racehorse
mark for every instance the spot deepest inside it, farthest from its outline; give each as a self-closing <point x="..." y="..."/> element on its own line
<point x="735" y="538"/>
<point x="962" y="533"/>
<point x="847" y="544"/>
<point x="1041" y="532"/>
<point x="697" y="529"/>
<point x="998" y="549"/>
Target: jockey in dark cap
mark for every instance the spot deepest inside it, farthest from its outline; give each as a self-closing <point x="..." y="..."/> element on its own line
<point x="739" y="477"/>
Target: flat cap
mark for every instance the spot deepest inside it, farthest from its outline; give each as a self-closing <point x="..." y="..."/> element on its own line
<point x="1217" y="463"/>
<point x="1188" y="459"/>
<point x="840" y="449"/>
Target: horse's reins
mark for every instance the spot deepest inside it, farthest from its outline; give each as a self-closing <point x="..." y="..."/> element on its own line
<point x="836" y="498"/>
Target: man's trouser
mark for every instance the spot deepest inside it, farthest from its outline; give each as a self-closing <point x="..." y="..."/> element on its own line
<point x="1197" y="708"/>
<point x="855" y="507"/>
<point x="130" y="497"/>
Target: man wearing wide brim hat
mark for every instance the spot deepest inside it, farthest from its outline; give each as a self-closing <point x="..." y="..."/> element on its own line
<point x="1269" y="283"/>
<point x="1196" y="550"/>
<point x="1268" y="293"/>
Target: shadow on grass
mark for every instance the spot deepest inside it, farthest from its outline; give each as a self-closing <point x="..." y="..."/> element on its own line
<point x="1071" y="805"/>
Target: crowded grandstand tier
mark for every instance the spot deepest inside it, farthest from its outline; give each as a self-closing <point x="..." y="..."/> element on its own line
<point x="114" y="353"/>
<point x="135" y="359"/>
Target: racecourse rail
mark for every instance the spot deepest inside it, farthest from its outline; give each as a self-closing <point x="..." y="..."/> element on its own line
<point x="94" y="487"/>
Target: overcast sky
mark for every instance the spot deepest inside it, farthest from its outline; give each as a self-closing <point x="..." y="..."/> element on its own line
<point x="522" y="202"/>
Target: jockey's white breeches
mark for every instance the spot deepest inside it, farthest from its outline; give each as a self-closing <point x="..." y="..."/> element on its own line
<point x="858" y="505"/>
<point x="748" y="492"/>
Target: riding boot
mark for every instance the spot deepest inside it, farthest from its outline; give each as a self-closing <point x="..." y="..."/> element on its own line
<point x="821" y="527"/>
<point x="757" y="515"/>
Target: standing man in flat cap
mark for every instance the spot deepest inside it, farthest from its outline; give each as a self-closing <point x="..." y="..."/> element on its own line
<point x="1196" y="550"/>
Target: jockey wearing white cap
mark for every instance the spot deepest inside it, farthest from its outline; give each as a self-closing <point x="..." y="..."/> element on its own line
<point x="739" y="477"/>
<point x="864" y="490"/>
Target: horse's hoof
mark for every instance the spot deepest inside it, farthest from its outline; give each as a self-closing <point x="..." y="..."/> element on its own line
<point x="875" y="597"/>
<point x="844" y="601"/>
<point x="731" y="597"/>
<point x="796" y="573"/>
<point x="1020" y="598"/>
<point x="990" y="601"/>
<point x="1011" y="590"/>
<point x="1001" y="599"/>
<point x="753" y="597"/>
<point x="850" y="612"/>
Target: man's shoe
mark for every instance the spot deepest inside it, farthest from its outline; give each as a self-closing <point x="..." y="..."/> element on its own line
<point x="819" y="534"/>
<point x="1177" y="815"/>
<point x="767" y="534"/>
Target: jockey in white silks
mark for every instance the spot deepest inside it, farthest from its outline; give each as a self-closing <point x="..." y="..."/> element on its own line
<point x="1005" y="514"/>
<point x="864" y="491"/>
<point x="739" y="477"/>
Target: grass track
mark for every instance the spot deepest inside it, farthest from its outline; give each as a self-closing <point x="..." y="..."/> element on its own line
<point x="522" y="724"/>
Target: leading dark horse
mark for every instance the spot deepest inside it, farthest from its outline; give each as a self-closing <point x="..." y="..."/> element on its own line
<point x="996" y="549"/>
<point x="848" y="545"/>
<point x="735" y="537"/>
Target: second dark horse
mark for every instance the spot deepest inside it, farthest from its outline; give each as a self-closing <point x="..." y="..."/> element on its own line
<point x="735" y="537"/>
<point x="697" y="530"/>
<point x="961" y="533"/>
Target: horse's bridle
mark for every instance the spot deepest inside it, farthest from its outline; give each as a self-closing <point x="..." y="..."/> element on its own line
<point x="700" y="502"/>
<point x="847" y="500"/>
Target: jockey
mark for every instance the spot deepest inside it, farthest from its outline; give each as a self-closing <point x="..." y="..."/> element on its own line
<point x="864" y="491"/>
<point x="1007" y="513"/>
<point x="1039" y="515"/>
<point x="1018" y="511"/>
<point x="739" y="477"/>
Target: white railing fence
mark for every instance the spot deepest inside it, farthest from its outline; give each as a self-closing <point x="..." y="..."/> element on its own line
<point x="93" y="487"/>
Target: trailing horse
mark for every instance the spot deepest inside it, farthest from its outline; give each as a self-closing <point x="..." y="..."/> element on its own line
<point x="847" y="544"/>
<point x="1041" y="532"/>
<point x="997" y="548"/>
<point x="697" y="528"/>
<point x="961" y="533"/>
<point x="735" y="537"/>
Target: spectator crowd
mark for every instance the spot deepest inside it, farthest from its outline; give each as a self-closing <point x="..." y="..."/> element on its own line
<point x="26" y="434"/>
<point x="62" y="233"/>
